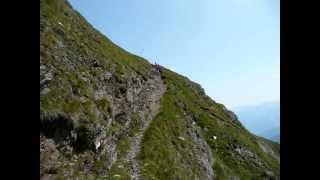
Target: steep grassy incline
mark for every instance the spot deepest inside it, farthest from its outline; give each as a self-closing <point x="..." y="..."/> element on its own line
<point x="108" y="114"/>
<point x="94" y="96"/>
<point x="168" y="144"/>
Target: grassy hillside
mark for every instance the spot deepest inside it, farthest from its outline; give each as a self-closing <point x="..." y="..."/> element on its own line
<point x="85" y="82"/>
<point x="69" y="43"/>
<point x="94" y="101"/>
<point x="166" y="155"/>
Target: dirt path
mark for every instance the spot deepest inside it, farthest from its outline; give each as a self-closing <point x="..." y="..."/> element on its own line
<point x="154" y="91"/>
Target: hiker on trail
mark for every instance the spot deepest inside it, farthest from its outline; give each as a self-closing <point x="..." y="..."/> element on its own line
<point x="157" y="66"/>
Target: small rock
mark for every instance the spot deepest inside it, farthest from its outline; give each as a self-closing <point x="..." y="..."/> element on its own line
<point x="97" y="144"/>
<point x="82" y="99"/>
<point x="84" y="79"/>
<point x="42" y="67"/>
<point x="45" y="91"/>
<point x="60" y="44"/>
<point x="99" y="94"/>
<point x="181" y="138"/>
<point x="49" y="76"/>
<point x="46" y="177"/>
<point x="107" y="75"/>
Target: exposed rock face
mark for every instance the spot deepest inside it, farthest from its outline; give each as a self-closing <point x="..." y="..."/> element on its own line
<point x="266" y="147"/>
<point x="144" y="101"/>
<point x="106" y="113"/>
<point x="202" y="152"/>
<point x="98" y="98"/>
<point x="201" y="149"/>
<point x="247" y="155"/>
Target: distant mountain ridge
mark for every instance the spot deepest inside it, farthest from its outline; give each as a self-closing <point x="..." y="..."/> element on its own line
<point x="262" y="119"/>
<point x="272" y="134"/>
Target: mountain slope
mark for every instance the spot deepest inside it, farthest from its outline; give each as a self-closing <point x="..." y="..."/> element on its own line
<point x="108" y="114"/>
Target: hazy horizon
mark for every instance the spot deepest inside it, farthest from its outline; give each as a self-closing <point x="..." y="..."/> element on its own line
<point x="260" y="118"/>
<point x="231" y="48"/>
<point x="257" y="104"/>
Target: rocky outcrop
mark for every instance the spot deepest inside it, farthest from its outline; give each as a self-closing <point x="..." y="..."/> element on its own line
<point x="90" y="101"/>
<point x="201" y="149"/>
<point x="267" y="148"/>
<point x="141" y="98"/>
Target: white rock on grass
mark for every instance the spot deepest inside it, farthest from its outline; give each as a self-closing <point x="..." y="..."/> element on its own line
<point x="98" y="143"/>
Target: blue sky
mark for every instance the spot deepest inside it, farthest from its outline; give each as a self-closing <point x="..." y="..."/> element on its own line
<point x="230" y="47"/>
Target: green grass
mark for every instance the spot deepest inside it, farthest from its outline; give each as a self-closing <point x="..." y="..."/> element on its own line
<point x="165" y="154"/>
<point x="86" y="52"/>
<point x="79" y="38"/>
